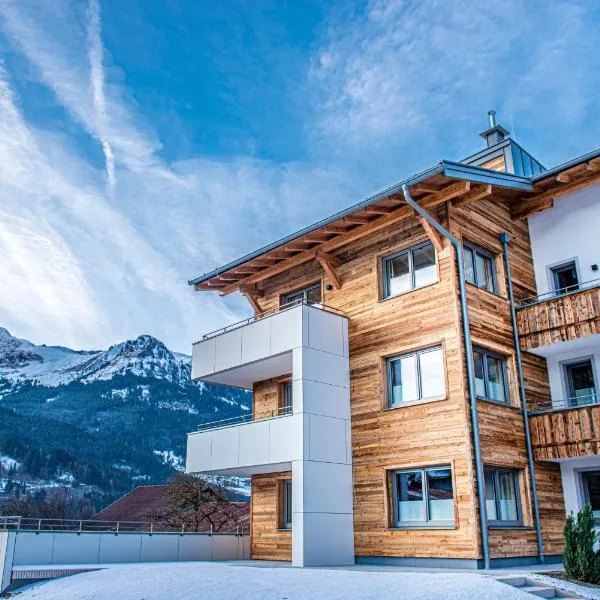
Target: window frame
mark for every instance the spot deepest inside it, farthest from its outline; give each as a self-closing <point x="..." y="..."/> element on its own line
<point x="517" y="489"/>
<point x="386" y="261"/>
<point x="504" y="363"/>
<point x="558" y="291"/>
<point x="426" y="523"/>
<point x="568" y="381"/>
<point x="286" y="511"/>
<point x="287" y="389"/>
<point x="585" y="488"/>
<point x="474" y="249"/>
<point x="417" y="353"/>
<point x="304" y="291"/>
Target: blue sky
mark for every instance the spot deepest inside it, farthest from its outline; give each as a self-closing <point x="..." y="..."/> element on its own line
<point x="144" y="143"/>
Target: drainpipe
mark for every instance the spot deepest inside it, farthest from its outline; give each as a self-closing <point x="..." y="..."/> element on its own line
<point x="504" y="239"/>
<point x="470" y="369"/>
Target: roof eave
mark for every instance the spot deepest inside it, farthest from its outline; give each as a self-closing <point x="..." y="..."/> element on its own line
<point x="451" y="169"/>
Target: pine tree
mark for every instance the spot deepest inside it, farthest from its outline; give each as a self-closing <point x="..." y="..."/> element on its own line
<point x="581" y="559"/>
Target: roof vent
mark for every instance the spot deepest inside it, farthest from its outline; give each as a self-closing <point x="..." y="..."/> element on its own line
<point x="496" y="133"/>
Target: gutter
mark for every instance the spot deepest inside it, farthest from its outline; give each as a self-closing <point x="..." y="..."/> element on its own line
<point x="470" y="369"/>
<point x="504" y="239"/>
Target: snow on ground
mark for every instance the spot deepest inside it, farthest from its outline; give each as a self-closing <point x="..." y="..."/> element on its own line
<point x="221" y="581"/>
<point x="8" y="462"/>
<point x="583" y="590"/>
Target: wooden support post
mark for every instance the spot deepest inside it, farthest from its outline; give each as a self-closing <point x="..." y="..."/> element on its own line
<point x="432" y="233"/>
<point x="252" y="294"/>
<point x="329" y="264"/>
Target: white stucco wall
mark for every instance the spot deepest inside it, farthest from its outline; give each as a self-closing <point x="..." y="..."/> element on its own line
<point x="558" y="354"/>
<point x="567" y="231"/>
<point x="314" y="442"/>
<point x="570" y="470"/>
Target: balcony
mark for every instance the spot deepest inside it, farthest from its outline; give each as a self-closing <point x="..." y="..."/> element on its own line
<point x="559" y="316"/>
<point x="262" y="347"/>
<point x="312" y="439"/>
<point x="566" y="428"/>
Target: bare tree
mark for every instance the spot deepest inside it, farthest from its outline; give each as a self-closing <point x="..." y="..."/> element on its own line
<point x="196" y="504"/>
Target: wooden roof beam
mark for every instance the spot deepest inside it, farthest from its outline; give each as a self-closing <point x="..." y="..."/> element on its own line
<point x="545" y="199"/>
<point x="427" y="188"/>
<point x="334" y="229"/>
<point x="355" y="220"/>
<point x="378" y="210"/>
<point x="593" y="165"/>
<point x="329" y="264"/>
<point x="252" y="294"/>
<point x="475" y="194"/>
<point x="428" y="202"/>
<point x="563" y="178"/>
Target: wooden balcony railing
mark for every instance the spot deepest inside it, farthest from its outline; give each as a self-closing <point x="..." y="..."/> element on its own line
<point x="565" y="430"/>
<point x="559" y="316"/>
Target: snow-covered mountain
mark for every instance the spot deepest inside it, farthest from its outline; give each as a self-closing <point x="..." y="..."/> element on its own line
<point x="22" y="361"/>
<point x="106" y="419"/>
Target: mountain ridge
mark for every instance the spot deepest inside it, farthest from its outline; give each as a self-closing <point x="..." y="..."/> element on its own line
<point x="102" y="421"/>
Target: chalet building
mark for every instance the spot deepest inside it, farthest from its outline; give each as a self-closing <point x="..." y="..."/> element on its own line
<point x="425" y="367"/>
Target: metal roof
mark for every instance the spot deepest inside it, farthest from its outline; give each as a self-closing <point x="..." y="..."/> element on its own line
<point x="447" y="168"/>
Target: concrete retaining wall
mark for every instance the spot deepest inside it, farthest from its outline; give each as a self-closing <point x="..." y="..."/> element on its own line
<point x="46" y="548"/>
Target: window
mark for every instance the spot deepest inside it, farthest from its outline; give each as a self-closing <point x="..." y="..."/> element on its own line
<point x="580" y="383"/>
<point x="287" y="397"/>
<point x="490" y="376"/>
<point x="286" y="504"/>
<point x="408" y="270"/>
<point x="479" y="267"/>
<point x="502" y="497"/>
<point x="308" y="295"/>
<point x="591" y="489"/>
<point x="423" y="497"/>
<point x="564" y="278"/>
<point x="416" y="376"/>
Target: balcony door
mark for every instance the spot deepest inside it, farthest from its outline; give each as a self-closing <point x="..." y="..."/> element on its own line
<point x="581" y="386"/>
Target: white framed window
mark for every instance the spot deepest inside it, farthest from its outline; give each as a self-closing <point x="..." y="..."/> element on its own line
<point x="408" y="270"/>
<point x="415" y="377"/>
<point x="480" y="269"/>
<point x="502" y="503"/>
<point x="423" y="497"/>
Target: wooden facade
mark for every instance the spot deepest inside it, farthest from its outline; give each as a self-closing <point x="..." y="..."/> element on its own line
<point x="345" y="258"/>
<point x="567" y="317"/>
<point x="268" y="541"/>
<point x="431" y="433"/>
<point x="566" y="433"/>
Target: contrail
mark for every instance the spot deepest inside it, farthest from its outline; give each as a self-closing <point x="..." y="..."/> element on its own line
<point x="96" y="51"/>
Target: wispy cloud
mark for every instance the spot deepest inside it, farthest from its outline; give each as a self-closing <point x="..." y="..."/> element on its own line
<point x="402" y="71"/>
<point x="87" y="264"/>
<point x="96" y="51"/>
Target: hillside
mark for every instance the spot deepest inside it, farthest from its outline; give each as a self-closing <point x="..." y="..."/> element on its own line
<point x="101" y="421"/>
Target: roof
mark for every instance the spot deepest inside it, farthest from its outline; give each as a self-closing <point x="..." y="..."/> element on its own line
<point x="138" y="504"/>
<point x="440" y="183"/>
<point x="135" y="505"/>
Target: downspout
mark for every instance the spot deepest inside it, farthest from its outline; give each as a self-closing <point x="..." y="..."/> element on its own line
<point x="504" y="239"/>
<point x="470" y="369"/>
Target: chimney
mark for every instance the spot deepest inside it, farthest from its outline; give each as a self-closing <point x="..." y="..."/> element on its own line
<point x="496" y="133"/>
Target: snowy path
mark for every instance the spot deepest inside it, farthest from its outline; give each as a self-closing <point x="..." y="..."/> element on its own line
<point x="190" y="581"/>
